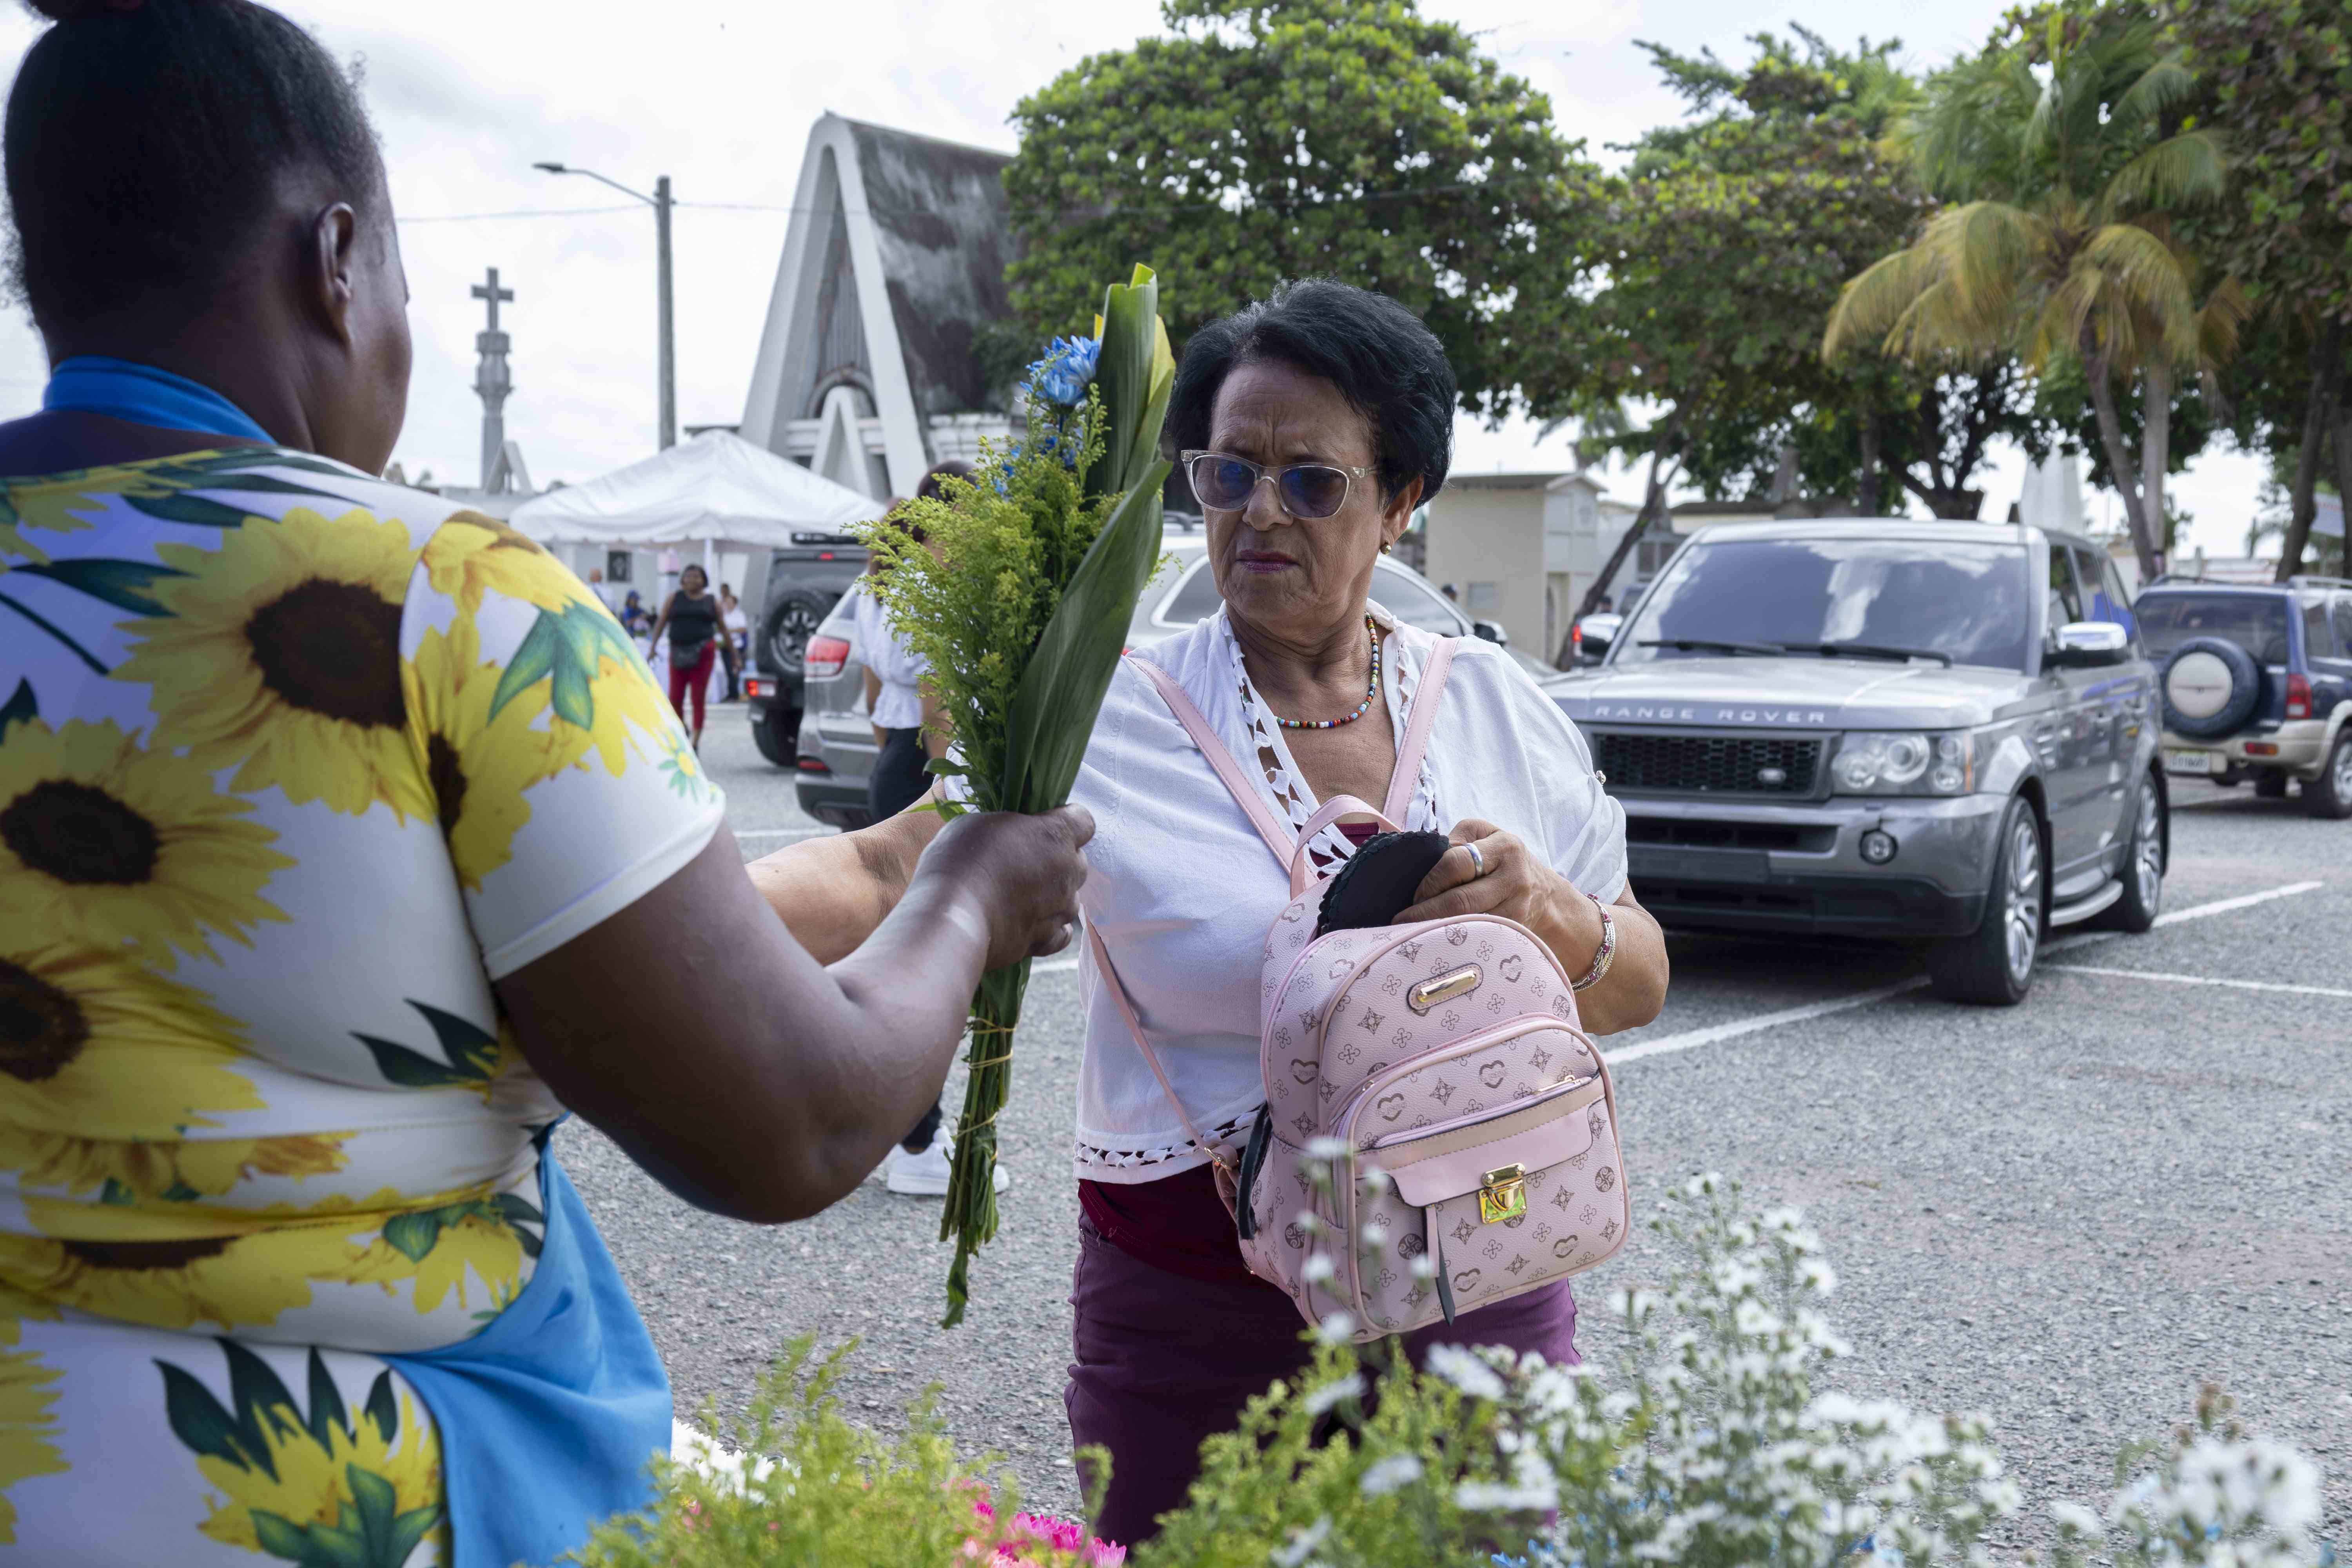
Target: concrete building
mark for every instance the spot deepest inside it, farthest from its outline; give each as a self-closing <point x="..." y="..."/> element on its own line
<point x="894" y="262"/>
<point x="1520" y="549"/>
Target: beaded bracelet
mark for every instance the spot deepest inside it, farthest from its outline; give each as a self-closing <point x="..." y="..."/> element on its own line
<point x="1608" y="953"/>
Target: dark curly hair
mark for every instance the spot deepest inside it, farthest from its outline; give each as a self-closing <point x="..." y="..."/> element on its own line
<point x="1383" y="361"/>
<point x="146" y="139"/>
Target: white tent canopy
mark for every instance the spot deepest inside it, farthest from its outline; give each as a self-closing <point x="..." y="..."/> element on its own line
<point x="716" y="488"/>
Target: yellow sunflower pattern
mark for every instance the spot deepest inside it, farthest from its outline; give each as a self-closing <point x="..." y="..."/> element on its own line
<point x="294" y="764"/>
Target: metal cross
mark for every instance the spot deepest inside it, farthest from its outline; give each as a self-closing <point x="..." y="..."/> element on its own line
<point x="493" y="293"/>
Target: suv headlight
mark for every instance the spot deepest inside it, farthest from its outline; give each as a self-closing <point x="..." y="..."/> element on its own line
<point x="1903" y="762"/>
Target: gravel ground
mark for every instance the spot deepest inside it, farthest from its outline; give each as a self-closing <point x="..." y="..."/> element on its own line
<point x="2065" y="1214"/>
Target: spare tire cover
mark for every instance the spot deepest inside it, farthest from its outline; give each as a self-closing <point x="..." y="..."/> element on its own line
<point x="2211" y="688"/>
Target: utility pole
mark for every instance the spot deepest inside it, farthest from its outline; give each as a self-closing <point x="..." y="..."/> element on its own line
<point x="668" y="326"/>
<point x="665" y="352"/>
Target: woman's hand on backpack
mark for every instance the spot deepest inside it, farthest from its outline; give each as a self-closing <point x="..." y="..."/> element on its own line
<point x="1502" y="878"/>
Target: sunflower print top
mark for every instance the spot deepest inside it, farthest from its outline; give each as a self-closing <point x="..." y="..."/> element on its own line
<point x="294" y="764"/>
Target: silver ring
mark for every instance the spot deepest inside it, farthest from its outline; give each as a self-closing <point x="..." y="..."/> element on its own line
<point x="1477" y="862"/>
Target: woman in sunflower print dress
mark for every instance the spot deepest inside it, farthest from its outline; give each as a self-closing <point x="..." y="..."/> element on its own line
<point x="343" y="836"/>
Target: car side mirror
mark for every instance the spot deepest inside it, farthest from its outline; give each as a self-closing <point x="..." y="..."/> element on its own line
<point x="1492" y="631"/>
<point x="2088" y="644"/>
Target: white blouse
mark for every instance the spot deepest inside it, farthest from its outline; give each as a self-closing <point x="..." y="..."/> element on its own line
<point x="1182" y="888"/>
<point x="877" y="646"/>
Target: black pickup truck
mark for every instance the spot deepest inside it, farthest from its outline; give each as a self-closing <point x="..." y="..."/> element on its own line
<point x="805" y="580"/>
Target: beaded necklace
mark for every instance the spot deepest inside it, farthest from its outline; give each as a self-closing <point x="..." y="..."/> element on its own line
<point x="1361" y="707"/>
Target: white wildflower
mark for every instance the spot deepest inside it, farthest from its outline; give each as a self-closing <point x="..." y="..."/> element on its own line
<point x="1327" y="1148"/>
<point x="1466" y="1371"/>
<point x="1319" y="1270"/>
<point x="1335" y="1330"/>
<point x="1336" y="1391"/>
<point x="2074" y="1520"/>
<point x="1424" y="1268"/>
<point x="1495" y="1496"/>
<point x="1384" y="1476"/>
<point x="1302" y="1542"/>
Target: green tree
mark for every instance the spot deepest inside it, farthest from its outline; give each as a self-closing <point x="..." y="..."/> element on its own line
<point x="1707" y="266"/>
<point x="1260" y="142"/>
<point x="2060" y="149"/>
<point x="2272" y="77"/>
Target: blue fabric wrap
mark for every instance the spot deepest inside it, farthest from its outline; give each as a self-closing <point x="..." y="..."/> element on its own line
<point x="93" y="384"/>
<point x="550" y="1416"/>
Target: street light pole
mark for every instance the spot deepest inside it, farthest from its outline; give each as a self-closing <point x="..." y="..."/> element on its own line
<point x="668" y="329"/>
<point x="666" y="352"/>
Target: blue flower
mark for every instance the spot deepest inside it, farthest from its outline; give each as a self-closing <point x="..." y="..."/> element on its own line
<point x="1067" y="370"/>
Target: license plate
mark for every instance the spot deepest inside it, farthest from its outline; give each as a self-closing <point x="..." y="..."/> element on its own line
<point x="2208" y="763"/>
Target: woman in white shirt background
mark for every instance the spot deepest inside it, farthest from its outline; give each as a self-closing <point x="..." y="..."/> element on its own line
<point x="1311" y="425"/>
<point x="907" y="734"/>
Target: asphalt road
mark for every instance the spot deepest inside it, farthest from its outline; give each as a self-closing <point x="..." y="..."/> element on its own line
<point x="2065" y="1214"/>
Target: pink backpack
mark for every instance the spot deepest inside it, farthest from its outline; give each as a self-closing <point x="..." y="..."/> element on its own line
<point x="1446" y="1054"/>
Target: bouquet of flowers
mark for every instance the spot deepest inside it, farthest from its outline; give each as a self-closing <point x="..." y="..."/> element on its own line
<point x="1018" y="599"/>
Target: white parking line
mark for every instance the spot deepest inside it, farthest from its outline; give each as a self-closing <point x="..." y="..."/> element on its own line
<point x="1714" y="1034"/>
<point x="2199" y="980"/>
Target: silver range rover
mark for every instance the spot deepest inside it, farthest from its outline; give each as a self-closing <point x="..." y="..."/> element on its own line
<point x="1885" y="729"/>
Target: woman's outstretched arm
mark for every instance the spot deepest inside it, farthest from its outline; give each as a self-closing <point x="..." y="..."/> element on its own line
<point x="749" y="1077"/>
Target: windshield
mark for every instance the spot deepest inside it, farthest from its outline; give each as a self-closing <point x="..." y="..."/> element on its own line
<point x="2255" y="621"/>
<point x="1967" y="602"/>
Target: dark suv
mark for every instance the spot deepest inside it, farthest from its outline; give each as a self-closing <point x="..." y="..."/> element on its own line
<point x="805" y="581"/>
<point x="2257" y="684"/>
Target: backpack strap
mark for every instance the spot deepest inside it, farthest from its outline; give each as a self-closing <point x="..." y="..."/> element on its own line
<point x="1417" y="725"/>
<point x="1134" y="1027"/>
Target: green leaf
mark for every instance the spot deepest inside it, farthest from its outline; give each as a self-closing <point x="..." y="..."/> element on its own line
<point x="378" y="1504"/>
<point x="181" y="1193"/>
<point x="407" y="1530"/>
<point x="115" y="1194"/>
<point x="516" y="1209"/>
<point x="533" y="660"/>
<point x="255" y="1392"/>
<point x="327" y="1411"/>
<point x="1052" y="715"/>
<point x="57" y="632"/>
<point x="467" y="1046"/>
<point x="122" y="583"/>
<point x="382" y="1408"/>
<point x="280" y="1538"/>
<point x="414" y="1235"/>
<point x="405" y="1067"/>
<point x="22" y="705"/>
<point x="189" y="511"/>
<point x="947" y="769"/>
<point x="197" y="1419"/>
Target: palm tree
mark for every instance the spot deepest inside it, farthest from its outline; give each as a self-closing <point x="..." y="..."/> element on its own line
<point x="2058" y="241"/>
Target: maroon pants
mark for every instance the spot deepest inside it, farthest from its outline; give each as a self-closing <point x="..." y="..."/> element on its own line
<point x="692" y="681"/>
<point x="1163" y="1361"/>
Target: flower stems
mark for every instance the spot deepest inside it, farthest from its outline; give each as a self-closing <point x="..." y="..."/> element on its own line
<point x="969" y="1217"/>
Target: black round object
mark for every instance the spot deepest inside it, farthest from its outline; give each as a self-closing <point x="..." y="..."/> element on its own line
<point x="2245" y="689"/>
<point x="793" y="619"/>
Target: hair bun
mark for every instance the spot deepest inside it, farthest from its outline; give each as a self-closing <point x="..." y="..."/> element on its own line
<point x="78" y="10"/>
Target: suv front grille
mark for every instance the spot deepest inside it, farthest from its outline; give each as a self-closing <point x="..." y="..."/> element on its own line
<point x="1783" y="766"/>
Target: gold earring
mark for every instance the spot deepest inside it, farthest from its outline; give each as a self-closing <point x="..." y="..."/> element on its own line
<point x="1386" y="547"/>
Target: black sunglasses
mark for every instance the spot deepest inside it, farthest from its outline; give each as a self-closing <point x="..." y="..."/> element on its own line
<point x="1307" y="490"/>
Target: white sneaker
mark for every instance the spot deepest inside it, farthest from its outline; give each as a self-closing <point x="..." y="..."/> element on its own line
<point x="925" y="1176"/>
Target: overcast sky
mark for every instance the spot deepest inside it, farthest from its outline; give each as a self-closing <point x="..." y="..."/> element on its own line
<point x="720" y="97"/>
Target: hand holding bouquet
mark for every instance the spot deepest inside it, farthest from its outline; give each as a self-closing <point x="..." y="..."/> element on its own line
<point x="1018" y="599"/>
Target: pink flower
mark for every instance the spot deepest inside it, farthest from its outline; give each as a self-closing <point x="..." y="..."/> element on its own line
<point x="1106" y="1554"/>
<point x="980" y="1506"/>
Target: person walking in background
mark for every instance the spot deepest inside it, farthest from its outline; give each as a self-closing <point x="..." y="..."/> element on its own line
<point x="735" y="634"/>
<point x="907" y="733"/>
<point x="333" y="881"/>
<point x="691" y="617"/>
<point x="632" y="614"/>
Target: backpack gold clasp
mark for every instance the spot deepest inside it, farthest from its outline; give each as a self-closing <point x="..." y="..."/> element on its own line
<point x="1502" y="1194"/>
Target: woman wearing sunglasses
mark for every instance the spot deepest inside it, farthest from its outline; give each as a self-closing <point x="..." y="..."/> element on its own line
<point x="1311" y="425"/>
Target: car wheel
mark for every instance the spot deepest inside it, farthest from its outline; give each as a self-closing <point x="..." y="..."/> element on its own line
<point x="793" y="620"/>
<point x="1993" y="965"/>
<point x="2143" y="867"/>
<point x="2329" y="796"/>
<point x="777" y="738"/>
<point x="2271" y="784"/>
